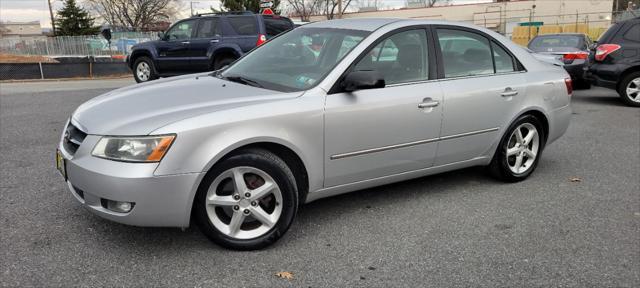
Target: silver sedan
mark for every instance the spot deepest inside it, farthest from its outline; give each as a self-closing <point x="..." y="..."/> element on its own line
<point x="324" y="109"/>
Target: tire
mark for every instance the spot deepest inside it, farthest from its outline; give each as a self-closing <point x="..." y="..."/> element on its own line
<point x="215" y="209"/>
<point x="505" y="168"/>
<point x="629" y="83"/>
<point x="222" y="61"/>
<point x="144" y="70"/>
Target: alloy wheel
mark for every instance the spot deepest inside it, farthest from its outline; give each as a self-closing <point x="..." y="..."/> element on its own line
<point x="633" y="90"/>
<point x="143" y="71"/>
<point x="522" y="148"/>
<point x="244" y="202"/>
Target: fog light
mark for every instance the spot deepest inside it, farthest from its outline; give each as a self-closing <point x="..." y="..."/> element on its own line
<point x="120" y="207"/>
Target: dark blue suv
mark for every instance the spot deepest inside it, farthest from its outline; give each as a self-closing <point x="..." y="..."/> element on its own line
<point x="203" y="43"/>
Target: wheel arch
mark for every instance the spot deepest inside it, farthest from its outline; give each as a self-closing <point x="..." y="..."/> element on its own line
<point x="625" y="73"/>
<point x="137" y="54"/>
<point x="225" y="50"/>
<point x="285" y="151"/>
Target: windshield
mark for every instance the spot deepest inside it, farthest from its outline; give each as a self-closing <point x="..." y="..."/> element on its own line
<point x="296" y="60"/>
<point x="557" y="43"/>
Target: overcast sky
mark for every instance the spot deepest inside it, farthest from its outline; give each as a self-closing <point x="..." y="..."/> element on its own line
<point x="37" y="10"/>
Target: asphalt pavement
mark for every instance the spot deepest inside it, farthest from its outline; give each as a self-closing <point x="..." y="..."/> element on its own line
<point x="574" y="223"/>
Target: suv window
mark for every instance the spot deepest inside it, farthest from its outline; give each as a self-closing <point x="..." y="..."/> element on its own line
<point x="181" y="31"/>
<point x="208" y="28"/>
<point x="244" y="25"/>
<point x="633" y="33"/>
<point x="464" y="53"/>
<point x="400" y="58"/>
<point x="275" y="26"/>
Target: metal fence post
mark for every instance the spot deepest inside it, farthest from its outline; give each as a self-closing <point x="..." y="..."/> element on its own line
<point x="41" y="72"/>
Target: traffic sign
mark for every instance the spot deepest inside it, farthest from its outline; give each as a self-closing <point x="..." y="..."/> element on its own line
<point x="267" y="11"/>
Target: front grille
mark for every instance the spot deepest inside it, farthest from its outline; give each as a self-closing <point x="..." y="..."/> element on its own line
<point x="72" y="139"/>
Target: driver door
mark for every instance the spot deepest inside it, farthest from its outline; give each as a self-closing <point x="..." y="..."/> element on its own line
<point x="380" y="132"/>
<point x="173" y="51"/>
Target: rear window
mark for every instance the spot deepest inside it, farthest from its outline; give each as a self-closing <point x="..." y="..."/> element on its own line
<point x="557" y="43"/>
<point x="275" y="26"/>
<point x="244" y="25"/>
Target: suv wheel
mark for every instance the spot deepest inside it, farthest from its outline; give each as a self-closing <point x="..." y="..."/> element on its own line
<point x="519" y="150"/>
<point x="629" y="89"/>
<point x="143" y="70"/>
<point x="222" y="61"/>
<point x="247" y="201"/>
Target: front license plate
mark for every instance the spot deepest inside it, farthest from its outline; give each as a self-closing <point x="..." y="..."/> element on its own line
<point x="61" y="164"/>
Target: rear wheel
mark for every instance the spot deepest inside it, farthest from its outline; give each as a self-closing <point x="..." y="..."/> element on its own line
<point x="519" y="150"/>
<point x="223" y="60"/>
<point x="629" y="89"/>
<point x="143" y="70"/>
<point x="247" y="201"/>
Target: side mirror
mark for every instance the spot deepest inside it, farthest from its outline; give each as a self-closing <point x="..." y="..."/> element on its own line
<point x="161" y="35"/>
<point x="359" y="80"/>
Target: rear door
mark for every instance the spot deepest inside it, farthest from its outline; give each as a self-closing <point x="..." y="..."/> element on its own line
<point x="173" y="52"/>
<point x="207" y="37"/>
<point x="483" y="87"/>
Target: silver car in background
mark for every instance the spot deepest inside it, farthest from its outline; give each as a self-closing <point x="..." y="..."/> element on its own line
<point x="324" y="109"/>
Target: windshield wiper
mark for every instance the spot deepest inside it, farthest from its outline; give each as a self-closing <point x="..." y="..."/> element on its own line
<point x="243" y="80"/>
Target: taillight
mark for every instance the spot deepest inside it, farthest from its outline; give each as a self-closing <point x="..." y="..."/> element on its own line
<point x="569" y="57"/>
<point x="261" y="39"/>
<point x="602" y="51"/>
<point x="569" y="83"/>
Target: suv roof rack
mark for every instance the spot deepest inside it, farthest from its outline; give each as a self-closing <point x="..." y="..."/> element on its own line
<point x="225" y="13"/>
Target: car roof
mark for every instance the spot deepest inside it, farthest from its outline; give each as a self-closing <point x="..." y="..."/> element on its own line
<point x="366" y="24"/>
<point x="561" y="34"/>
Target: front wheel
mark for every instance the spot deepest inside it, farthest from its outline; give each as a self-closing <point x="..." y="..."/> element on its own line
<point x="630" y="89"/>
<point x="143" y="70"/>
<point x="247" y="201"/>
<point x="519" y="150"/>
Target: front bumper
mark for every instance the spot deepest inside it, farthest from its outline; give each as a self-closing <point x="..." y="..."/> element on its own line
<point x="159" y="200"/>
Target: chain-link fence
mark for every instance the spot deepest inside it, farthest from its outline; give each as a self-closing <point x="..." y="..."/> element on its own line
<point x="121" y="44"/>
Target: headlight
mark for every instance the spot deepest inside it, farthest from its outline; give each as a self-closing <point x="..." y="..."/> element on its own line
<point x="133" y="149"/>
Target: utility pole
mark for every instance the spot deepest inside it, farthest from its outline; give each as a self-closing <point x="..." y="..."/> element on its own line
<point x="339" y="9"/>
<point x="53" y="20"/>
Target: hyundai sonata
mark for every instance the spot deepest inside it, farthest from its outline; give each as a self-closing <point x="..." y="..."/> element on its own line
<point x="324" y="109"/>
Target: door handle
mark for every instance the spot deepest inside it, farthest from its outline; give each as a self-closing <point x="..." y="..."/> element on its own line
<point x="214" y="41"/>
<point x="428" y="103"/>
<point x="185" y="42"/>
<point x="508" y="92"/>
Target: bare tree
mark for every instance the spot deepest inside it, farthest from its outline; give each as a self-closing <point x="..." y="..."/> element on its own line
<point x="134" y="14"/>
<point x="305" y="8"/>
<point x="431" y="3"/>
<point x="329" y="7"/>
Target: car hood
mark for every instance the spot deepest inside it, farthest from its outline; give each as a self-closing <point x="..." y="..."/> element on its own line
<point x="142" y="108"/>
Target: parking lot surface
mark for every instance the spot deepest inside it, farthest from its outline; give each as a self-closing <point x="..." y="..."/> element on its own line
<point x="574" y="223"/>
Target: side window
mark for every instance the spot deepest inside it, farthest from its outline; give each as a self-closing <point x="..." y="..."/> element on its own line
<point x="464" y="53"/>
<point x="504" y="61"/>
<point x="244" y="25"/>
<point x="403" y="57"/>
<point x="275" y="26"/>
<point x="633" y="33"/>
<point x="181" y="31"/>
<point x="208" y="28"/>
